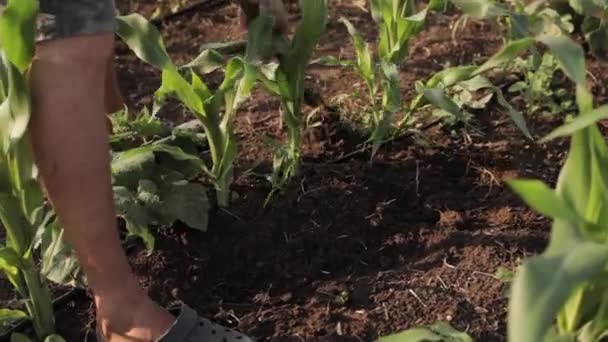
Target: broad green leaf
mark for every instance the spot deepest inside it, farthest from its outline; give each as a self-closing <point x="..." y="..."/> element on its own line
<point x="18" y="106"/>
<point x="17" y="337"/>
<point x="9" y="316"/>
<point x="188" y="203"/>
<point x="132" y="165"/>
<point x="569" y="54"/>
<point x="578" y="123"/>
<point x="144" y="39"/>
<point x="507" y="53"/>
<point x="544" y="200"/>
<point x="543" y="284"/>
<point x="135" y="214"/>
<point x="17" y="31"/>
<point x="482" y="9"/>
<point x="206" y="62"/>
<point x="142" y="232"/>
<point x="439" y="332"/>
<point x="59" y="261"/>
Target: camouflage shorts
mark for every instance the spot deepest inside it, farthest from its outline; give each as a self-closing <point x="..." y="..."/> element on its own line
<point x="66" y="18"/>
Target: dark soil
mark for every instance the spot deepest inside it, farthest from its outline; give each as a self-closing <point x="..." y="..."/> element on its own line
<point x="353" y="250"/>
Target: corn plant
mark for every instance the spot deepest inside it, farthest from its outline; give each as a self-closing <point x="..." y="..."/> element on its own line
<point x="286" y="80"/>
<point x="21" y="200"/>
<point x="398" y="23"/>
<point x="215" y="110"/>
<point x="562" y="294"/>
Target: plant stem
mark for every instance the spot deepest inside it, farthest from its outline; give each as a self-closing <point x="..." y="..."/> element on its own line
<point x="40" y="303"/>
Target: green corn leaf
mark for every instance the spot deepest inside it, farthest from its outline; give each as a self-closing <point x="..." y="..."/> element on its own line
<point x="16" y="225"/>
<point x="598" y="327"/>
<point x="8" y="316"/>
<point x="481" y="9"/>
<point x="507" y="53"/>
<point x="450" y="76"/>
<point x="17" y="31"/>
<point x="200" y="88"/>
<point x="578" y="123"/>
<point x="543" y="283"/>
<point x="437" y="97"/>
<point x="570" y="55"/>
<point x="54" y="338"/>
<point x="365" y="63"/>
<point x="544" y="200"/>
<point x="10" y="263"/>
<point x="307" y="35"/>
<point x="144" y="39"/>
<point x="259" y="39"/>
<point x="392" y="96"/>
<point x="3" y="77"/>
<point x="174" y="83"/>
<point x="245" y="85"/>
<point x="439" y="332"/>
<point x="206" y="62"/>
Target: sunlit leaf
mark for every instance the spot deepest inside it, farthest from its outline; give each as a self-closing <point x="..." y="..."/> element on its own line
<point x="17" y="31"/>
<point x="438" y="332"/>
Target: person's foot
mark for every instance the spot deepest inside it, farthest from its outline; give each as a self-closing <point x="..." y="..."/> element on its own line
<point x="132" y="319"/>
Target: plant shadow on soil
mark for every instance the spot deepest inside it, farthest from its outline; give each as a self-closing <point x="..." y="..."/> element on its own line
<point x="352" y="250"/>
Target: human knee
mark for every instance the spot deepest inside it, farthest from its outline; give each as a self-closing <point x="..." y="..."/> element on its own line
<point x="93" y="51"/>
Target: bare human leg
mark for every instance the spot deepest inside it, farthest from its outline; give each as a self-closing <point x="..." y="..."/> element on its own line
<point x="69" y="81"/>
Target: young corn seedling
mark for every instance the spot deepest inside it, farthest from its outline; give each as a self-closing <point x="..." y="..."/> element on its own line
<point x="286" y="80"/>
<point x="214" y="109"/>
<point x="398" y="23"/>
<point x="562" y="294"/>
<point x="21" y="200"/>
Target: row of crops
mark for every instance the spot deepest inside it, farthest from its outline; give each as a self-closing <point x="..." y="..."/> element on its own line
<point x="559" y="295"/>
